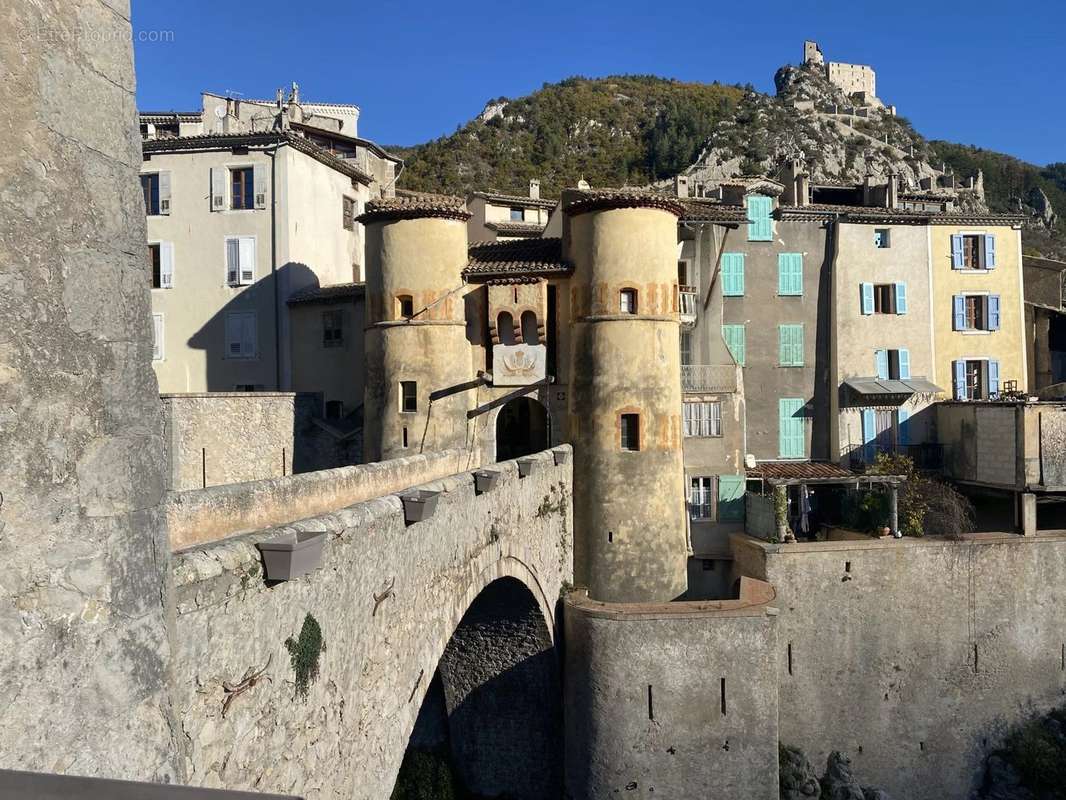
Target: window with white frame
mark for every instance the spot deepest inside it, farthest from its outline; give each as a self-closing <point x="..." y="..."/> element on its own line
<point x="701" y="497"/>
<point x="241" y="335"/>
<point x="702" y="418"/>
<point x="240" y="260"/>
<point x="973" y="251"/>
<point x="975" y="312"/>
<point x="157" y="337"/>
<point x="161" y="264"/>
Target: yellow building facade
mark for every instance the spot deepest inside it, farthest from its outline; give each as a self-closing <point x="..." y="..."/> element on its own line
<point x="978" y="313"/>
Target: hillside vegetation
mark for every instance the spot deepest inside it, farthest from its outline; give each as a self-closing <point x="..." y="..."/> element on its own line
<point x="638" y="130"/>
<point x="609" y="131"/>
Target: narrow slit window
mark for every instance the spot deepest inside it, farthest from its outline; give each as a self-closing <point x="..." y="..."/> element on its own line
<point x="627" y="301"/>
<point x="405" y="306"/>
<point x="630" y="432"/>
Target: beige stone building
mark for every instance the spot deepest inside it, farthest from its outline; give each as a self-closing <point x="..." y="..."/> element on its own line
<point x="495" y="216"/>
<point x="250" y="203"/>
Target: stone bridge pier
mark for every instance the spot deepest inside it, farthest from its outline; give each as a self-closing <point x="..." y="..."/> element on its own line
<point x="453" y="617"/>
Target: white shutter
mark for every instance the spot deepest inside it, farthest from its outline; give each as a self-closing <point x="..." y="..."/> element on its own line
<point x="247" y="259"/>
<point x="218" y="188"/>
<point x="233" y="335"/>
<point x="249" y="339"/>
<point x="157" y="337"/>
<point x="164" y="192"/>
<point x="233" y="261"/>
<point x="166" y="265"/>
<point x="259" y="181"/>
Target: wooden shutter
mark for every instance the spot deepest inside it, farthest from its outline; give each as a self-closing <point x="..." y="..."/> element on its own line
<point x="904" y="364"/>
<point x="731" y="497"/>
<point x="164" y="192"/>
<point x="958" y="369"/>
<point x="993" y="377"/>
<point x="249" y="337"/>
<point x="259" y="182"/>
<point x="790" y="427"/>
<point x="990" y="251"/>
<point x="956" y="251"/>
<point x="233" y="261"/>
<point x="958" y="303"/>
<point x="869" y="433"/>
<point x="233" y="335"/>
<point x="790" y="345"/>
<point x="157" y="337"/>
<point x="901" y="298"/>
<point x="733" y="274"/>
<point x="903" y="424"/>
<point x="218" y="188"/>
<point x="760" y="228"/>
<point x="735" y="340"/>
<point x="166" y="265"/>
<point x="993" y="312"/>
<point x="246" y="248"/>
<point x="881" y="364"/>
<point x="867" y="293"/>
<point x="790" y="273"/>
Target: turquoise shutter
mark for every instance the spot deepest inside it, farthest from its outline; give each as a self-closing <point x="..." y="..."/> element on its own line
<point x="993" y="312"/>
<point x="904" y="425"/>
<point x="760" y="228"/>
<point x="867" y="292"/>
<point x="958" y="369"/>
<point x="956" y="251"/>
<point x="731" y="498"/>
<point x="993" y="377"/>
<point x="790" y="345"/>
<point x="958" y="303"/>
<point x="869" y="433"/>
<point x="881" y="364"/>
<point x="784" y="345"/>
<point x="901" y="298"/>
<point x="797" y="345"/>
<point x="733" y="274"/>
<point x="990" y="251"/>
<point x="734" y="336"/>
<point x="790" y="427"/>
<point x="790" y="273"/>
<point x="904" y="364"/>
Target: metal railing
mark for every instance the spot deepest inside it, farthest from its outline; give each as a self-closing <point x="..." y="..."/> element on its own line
<point x="708" y="378"/>
<point x="927" y="456"/>
<point x="688" y="299"/>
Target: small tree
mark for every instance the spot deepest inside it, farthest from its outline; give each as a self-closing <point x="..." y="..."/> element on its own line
<point x="926" y="505"/>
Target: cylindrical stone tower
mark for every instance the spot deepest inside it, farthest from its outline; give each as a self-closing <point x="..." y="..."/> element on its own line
<point x="416" y="249"/>
<point x="630" y="543"/>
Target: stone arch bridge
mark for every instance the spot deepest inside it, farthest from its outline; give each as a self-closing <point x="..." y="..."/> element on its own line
<point x="460" y="608"/>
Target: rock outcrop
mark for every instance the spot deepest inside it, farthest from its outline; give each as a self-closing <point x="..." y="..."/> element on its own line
<point x="798" y="778"/>
<point x="799" y="782"/>
<point x="1038" y="201"/>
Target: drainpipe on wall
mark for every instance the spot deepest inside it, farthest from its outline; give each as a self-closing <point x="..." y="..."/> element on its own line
<point x="833" y="231"/>
<point x="274" y="265"/>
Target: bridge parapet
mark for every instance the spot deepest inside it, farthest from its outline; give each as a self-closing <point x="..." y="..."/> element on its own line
<point x="386" y="598"/>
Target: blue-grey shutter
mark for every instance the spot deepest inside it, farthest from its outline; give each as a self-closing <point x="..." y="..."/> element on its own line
<point x="990" y="251"/>
<point x="904" y="364"/>
<point x="901" y="298"/>
<point x="867" y="298"/>
<point x="956" y="251"/>
<point x="958" y="369"/>
<point x="993" y="312"/>
<point x="993" y="377"/>
<point x="904" y="425"/>
<point x="869" y="433"/>
<point x="881" y="364"/>
<point x="958" y="303"/>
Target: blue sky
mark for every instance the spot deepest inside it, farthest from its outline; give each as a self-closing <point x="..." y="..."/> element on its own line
<point x="972" y="72"/>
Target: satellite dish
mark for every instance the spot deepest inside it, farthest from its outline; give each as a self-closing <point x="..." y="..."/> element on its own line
<point x="749" y="461"/>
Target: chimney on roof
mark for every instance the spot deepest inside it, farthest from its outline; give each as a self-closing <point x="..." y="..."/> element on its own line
<point x="281" y="98"/>
<point x="797" y="183"/>
<point x="867" y="190"/>
<point x="534" y="189"/>
<point x="892" y="193"/>
<point x="681" y="185"/>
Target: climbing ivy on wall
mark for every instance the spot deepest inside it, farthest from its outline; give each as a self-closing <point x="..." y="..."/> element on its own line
<point x="304" y="653"/>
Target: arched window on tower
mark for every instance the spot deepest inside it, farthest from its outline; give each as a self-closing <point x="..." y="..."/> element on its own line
<point x="627" y="301"/>
<point x="505" y="327"/>
<point x="529" y="328"/>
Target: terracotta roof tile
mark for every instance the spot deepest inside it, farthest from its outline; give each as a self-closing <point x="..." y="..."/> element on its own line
<point x="583" y="201"/>
<point x="515" y="200"/>
<point x="507" y="228"/>
<point x="415" y="205"/>
<point x="792" y="470"/>
<point x="516" y="258"/>
<point x="712" y="211"/>
<point x="327" y="294"/>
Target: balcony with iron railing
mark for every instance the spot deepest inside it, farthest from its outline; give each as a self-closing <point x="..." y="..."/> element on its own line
<point x="927" y="456"/>
<point x="708" y="378"/>
<point x="688" y="299"/>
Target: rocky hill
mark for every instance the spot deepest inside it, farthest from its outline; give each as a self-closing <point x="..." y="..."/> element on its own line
<point x="643" y="130"/>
